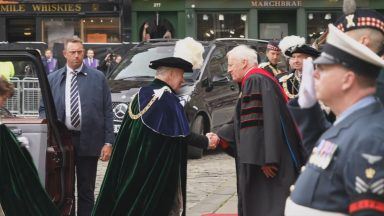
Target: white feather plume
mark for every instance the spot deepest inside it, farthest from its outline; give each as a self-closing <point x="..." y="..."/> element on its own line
<point x="190" y="50"/>
<point x="291" y="41"/>
<point x="349" y="7"/>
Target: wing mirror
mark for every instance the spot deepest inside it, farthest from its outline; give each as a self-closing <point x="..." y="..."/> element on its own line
<point x="207" y="84"/>
<point x="220" y="80"/>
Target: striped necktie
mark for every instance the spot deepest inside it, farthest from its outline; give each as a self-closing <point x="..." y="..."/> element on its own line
<point x="74" y="101"/>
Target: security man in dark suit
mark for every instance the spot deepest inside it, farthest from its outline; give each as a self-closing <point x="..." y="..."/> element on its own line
<point x="83" y="102"/>
<point x="345" y="172"/>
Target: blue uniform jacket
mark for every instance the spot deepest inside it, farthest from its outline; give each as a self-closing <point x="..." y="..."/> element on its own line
<point x="345" y="172"/>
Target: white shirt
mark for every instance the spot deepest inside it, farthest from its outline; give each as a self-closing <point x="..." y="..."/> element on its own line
<point x="67" y="99"/>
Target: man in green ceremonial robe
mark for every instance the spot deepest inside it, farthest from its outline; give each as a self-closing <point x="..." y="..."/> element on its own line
<point x="147" y="172"/>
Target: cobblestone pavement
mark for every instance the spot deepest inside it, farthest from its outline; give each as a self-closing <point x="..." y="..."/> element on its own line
<point x="205" y="176"/>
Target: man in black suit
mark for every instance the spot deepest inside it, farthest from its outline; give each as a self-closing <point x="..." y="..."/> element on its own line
<point x="83" y="102"/>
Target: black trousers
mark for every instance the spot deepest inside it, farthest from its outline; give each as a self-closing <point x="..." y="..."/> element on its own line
<point x="86" y="168"/>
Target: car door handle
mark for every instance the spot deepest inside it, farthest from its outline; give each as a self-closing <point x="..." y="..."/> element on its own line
<point x="17" y="131"/>
<point x="23" y="141"/>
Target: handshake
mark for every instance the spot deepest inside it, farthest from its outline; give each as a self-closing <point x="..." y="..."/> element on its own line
<point x="214" y="140"/>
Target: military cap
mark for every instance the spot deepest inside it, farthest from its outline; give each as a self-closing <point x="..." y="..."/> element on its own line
<point x="359" y="18"/>
<point x="273" y="45"/>
<point x="362" y="18"/>
<point x="344" y="50"/>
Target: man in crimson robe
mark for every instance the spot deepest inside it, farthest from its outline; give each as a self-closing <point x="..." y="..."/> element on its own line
<point x="262" y="138"/>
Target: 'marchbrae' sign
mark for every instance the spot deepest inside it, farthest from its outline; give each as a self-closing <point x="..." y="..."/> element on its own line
<point x="276" y="3"/>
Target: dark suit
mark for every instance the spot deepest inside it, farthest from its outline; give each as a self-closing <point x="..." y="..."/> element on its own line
<point x="346" y="167"/>
<point x="96" y="127"/>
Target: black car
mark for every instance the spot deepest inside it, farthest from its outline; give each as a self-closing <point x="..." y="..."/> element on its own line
<point x="208" y="95"/>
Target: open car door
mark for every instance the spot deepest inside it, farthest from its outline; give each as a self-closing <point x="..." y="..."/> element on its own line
<point x="47" y="140"/>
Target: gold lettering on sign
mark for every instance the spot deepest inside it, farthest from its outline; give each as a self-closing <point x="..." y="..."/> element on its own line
<point x="281" y="3"/>
<point x="12" y="8"/>
<point x="56" y="7"/>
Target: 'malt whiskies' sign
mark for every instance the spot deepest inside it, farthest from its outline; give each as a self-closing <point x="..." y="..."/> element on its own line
<point x="276" y="3"/>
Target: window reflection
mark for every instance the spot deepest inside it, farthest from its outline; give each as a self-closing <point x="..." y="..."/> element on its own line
<point x="221" y="25"/>
<point x="90" y="30"/>
<point x="317" y="23"/>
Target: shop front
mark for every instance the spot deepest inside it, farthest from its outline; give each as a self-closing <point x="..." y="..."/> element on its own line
<point x="163" y="18"/>
<point x="93" y="22"/>
<point x="262" y="19"/>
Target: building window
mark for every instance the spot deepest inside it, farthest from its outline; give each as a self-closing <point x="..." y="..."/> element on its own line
<point x="101" y="30"/>
<point x="213" y="25"/>
<point x="90" y="30"/>
<point x="20" y="29"/>
<point x="317" y="23"/>
<point x="57" y="30"/>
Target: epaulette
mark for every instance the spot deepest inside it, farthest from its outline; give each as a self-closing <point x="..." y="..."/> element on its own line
<point x="264" y="64"/>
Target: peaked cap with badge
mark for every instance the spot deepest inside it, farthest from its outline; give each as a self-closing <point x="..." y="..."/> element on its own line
<point x="344" y="50"/>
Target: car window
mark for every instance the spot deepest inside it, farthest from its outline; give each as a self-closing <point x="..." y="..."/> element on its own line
<point x="27" y="94"/>
<point x="218" y="63"/>
<point x="136" y="65"/>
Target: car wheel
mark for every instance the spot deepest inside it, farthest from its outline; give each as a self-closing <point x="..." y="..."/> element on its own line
<point x="197" y="127"/>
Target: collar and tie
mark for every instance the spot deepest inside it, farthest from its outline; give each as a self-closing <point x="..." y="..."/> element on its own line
<point x="74" y="101"/>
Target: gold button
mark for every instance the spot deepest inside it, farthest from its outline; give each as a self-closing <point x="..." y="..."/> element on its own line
<point x="292" y="188"/>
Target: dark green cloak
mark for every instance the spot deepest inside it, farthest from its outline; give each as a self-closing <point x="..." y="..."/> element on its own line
<point x="21" y="192"/>
<point x="144" y="173"/>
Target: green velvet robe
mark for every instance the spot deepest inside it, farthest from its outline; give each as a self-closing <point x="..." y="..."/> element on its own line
<point x="21" y="192"/>
<point x="144" y="173"/>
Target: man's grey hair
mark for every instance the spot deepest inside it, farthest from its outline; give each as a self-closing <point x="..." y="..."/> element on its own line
<point x="376" y="37"/>
<point x="244" y="52"/>
<point x="162" y="70"/>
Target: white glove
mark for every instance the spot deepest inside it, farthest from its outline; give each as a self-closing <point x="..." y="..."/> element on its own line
<point x="307" y="94"/>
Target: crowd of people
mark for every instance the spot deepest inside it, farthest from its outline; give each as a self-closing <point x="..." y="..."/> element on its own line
<point x="307" y="141"/>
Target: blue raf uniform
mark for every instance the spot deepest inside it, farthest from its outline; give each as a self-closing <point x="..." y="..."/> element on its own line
<point x="345" y="172"/>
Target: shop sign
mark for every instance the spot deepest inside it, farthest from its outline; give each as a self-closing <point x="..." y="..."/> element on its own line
<point x="12" y="8"/>
<point x="276" y="3"/>
<point x="54" y="8"/>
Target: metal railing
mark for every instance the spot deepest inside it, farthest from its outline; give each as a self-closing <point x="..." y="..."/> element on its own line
<point x="26" y="99"/>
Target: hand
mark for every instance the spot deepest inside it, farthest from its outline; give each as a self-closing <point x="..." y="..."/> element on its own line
<point x="106" y="152"/>
<point x="307" y="94"/>
<point x="213" y="140"/>
<point x="107" y="57"/>
<point x="269" y="171"/>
